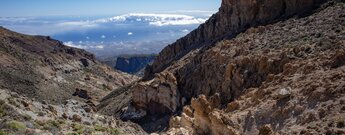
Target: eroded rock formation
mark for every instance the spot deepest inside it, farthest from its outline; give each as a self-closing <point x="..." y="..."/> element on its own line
<point x="218" y="71"/>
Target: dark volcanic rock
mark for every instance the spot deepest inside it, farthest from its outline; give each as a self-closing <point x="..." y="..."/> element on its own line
<point x="133" y="64"/>
<point x="82" y="94"/>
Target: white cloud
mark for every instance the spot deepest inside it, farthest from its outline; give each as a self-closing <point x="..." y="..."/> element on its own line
<point x="185" y="30"/>
<point x="194" y="11"/>
<point x="71" y="44"/>
<point x="87" y="24"/>
<point x="155" y="19"/>
<point x="14" y="19"/>
<point x="98" y="46"/>
<point x="130" y="33"/>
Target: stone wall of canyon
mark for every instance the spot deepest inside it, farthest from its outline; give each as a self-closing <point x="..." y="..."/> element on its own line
<point x="250" y="69"/>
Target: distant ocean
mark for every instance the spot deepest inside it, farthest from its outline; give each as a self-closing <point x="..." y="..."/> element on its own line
<point x="108" y="36"/>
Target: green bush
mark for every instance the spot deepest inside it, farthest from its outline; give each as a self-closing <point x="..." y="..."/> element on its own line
<point x="340" y="123"/>
<point x="78" y="128"/>
<point x="113" y="131"/>
<point x="3" y="132"/>
<point x="16" y="125"/>
<point x="106" y="87"/>
<point x="100" y="128"/>
<point x="27" y="117"/>
<point x="3" y="111"/>
<point x="52" y="124"/>
<point x="72" y="133"/>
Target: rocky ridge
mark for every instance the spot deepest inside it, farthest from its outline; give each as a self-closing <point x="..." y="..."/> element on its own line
<point x="43" y="68"/>
<point x="49" y="88"/>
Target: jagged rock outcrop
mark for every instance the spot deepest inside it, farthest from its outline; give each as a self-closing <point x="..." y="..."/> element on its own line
<point x="279" y="79"/>
<point x="267" y="78"/>
<point x="202" y="117"/>
<point x="43" y="68"/>
<point x="161" y="90"/>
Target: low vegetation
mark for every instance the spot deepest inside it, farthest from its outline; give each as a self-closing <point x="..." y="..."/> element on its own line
<point x="16" y="126"/>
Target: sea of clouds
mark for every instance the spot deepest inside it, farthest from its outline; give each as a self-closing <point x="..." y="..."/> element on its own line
<point x="112" y="35"/>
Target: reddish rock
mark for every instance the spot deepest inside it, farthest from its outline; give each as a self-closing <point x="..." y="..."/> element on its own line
<point x="76" y="118"/>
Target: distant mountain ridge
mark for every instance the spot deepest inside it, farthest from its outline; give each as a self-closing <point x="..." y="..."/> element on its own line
<point x="131" y="63"/>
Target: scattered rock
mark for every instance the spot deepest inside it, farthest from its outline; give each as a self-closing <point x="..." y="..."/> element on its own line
<point x="81" y="93"/>
<point x="64" y="115"/>
<point x="284" y="93"/>
<point x="87" y="109"/>
<point x="341" y="124"/>
<point x="52" y="109"/>
<point x="232" y="106"/>
<point x="76" y="118"/>
<point x="266" y="130"/>
<point x="25" y="104"/>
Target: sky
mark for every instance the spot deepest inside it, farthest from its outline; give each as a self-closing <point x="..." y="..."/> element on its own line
<point x="23" y="8"/>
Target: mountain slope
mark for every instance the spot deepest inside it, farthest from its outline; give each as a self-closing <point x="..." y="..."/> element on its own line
<point x="233" y="17"/>
<point x="45" y="69"/>
<point x="279" y="76"/>
<point x="285" y="78"/>
<point x="22" y="115"/>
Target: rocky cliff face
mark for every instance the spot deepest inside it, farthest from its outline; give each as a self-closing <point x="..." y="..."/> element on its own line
<point x="133" y="64"/>
<point x="277" y="77"/>
<point x="234" y="16"/>
<point x="182" y="58"/>
<point x="43" y="68"/>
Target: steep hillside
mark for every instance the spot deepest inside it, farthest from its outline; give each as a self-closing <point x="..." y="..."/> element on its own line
<point x="22" y="115"/>
<point x="256" y="67"/>
<point x="233" y="17"/>
<point x="43" y="68"/>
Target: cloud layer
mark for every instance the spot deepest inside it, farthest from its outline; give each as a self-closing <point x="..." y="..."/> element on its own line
<point x="155" y="19"/>
<point x="128" y="33"/>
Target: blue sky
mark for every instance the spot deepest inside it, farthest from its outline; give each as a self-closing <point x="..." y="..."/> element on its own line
<point x="21" y="8"/>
